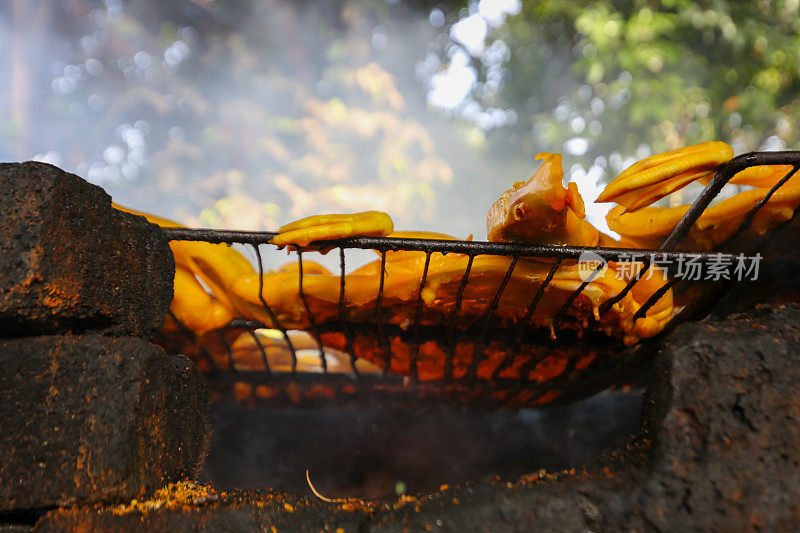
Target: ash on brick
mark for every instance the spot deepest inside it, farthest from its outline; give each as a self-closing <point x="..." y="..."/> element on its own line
<point x="96" y="419"/>
<point x="71" y="262"/>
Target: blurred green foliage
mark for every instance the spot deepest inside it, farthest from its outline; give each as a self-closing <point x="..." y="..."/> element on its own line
<point x="664" y="74"/>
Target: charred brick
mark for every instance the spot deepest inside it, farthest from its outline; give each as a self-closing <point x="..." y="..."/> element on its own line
<point x="96" y="419"/>
<point x="71" y="262"/>
<point x="719" y="449"/>
<point x="718" y="452"/>
<point x="723" y="413"/>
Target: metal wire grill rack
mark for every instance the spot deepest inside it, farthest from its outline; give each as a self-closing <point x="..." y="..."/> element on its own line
<point x="568" y="365"/>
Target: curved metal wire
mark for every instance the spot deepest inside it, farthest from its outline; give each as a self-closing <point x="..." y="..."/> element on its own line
<point x="451" y="333"/>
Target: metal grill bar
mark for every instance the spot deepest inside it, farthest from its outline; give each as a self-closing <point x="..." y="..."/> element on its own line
<point x="264" y="358"/>
<point x="525" y="372"/>
<point x="558" y="383"/>
<point x="524" y="324"/>
<point x="273" y="318"/>
<point x="538" y="296"/>
<point x="433" y="332"/>
<point x="387" y="356"/>
<point x="312" y="321"/>
<point x="346" y="329"/>
<point x="654" y="298"/>
<point x="496" y="299"/>
<point x="571" y="299"/>
<point x="415" y="326"/>
<point x="190" y="334"/>
<point x="615" y="299"/>
<point x="453" y="337"/>
<point x="723" y="176"/>
<point x="704" y="305"/>
<point x="228" y="349"/>
<point x="761" y="203"/>
<point x="725" y="173"/>
<point x="478" y="354"/>
<point x="469" y="248"/>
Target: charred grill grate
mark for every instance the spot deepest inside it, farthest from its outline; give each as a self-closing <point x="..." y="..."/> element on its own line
<point x="575" y="378"/>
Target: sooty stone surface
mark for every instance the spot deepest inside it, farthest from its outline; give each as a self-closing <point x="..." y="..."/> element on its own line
<point x="719" y="449"/>
<point x="96" y="419"/>
<point x="71" y="262"/>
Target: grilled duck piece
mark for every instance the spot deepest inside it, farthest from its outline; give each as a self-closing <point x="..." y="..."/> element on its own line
<point x="325" y="227"/>
<point x="542" y="210"/>
<point x="655" y="177"/>
<point x="439" y="294"/>
<point x="539" y="210"/>
<point x="662" y="174"/>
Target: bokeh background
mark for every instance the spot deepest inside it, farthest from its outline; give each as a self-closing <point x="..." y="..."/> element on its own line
<point x="249" y="113"/>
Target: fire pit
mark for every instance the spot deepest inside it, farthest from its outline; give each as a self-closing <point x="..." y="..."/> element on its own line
<point x="713" y="453"/>
<point x="556" y="369"/>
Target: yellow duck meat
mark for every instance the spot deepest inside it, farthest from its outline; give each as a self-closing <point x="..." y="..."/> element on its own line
<point x="401" y="289"/>
<point x="655" y="177"/>
<point x="214" y="283"/>
<point x="539" y="210"/>
<point x="647" y="227"/>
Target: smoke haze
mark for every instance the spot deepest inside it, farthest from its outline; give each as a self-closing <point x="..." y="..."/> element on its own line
<point x="242" y="115"/>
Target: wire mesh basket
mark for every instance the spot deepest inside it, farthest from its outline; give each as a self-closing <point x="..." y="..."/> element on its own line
<point x="469" y="347"/>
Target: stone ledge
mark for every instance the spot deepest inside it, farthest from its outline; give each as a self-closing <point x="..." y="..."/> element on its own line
<point x="71" y="262"/>
<point x="90" y="418"/>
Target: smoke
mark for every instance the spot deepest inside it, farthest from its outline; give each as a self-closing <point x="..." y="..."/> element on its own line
<point x="245" y="114"/>
<point x="365" y="450"/>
